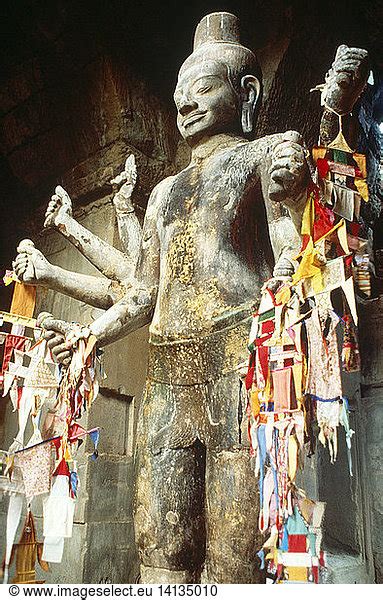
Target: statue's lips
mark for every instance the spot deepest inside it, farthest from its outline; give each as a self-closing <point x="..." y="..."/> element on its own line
<point x="193" y="118"/>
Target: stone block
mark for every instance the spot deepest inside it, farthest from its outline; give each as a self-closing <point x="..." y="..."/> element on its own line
<point x="111" y="414"/>
<point x="125" y="363"/>
<point x="110" y="490"/>
<point x="110" y="554"/>
<point x="346" y="569"/>
<point x="341" y="528"/>
<point x="371" y="335"/>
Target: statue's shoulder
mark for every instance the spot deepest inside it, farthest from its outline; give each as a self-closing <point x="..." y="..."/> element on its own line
<point x="157" y="198"/>
<point x="253" y="152"/>
<point x="160" y="191"/>
<point x="265" y="142"/>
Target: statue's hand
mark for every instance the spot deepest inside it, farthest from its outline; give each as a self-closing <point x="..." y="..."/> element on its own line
<point x="55" y="331"/>
<point x="30" y="265"/>
<point x="289" y="170"/>
<point x="346" y="79"/>
<point x="127" y="180"/>
<point x="58" y="208"/>
<point x="275" y="283"/>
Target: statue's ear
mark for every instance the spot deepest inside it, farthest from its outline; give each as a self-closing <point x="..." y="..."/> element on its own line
<point x="250" y="90"/>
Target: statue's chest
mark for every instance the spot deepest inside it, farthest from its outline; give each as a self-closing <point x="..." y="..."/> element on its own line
<point x="202" y="196"/>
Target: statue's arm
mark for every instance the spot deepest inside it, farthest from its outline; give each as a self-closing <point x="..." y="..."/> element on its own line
<point x="95" y="291"/>
<point x="32" y="267"/>
<point x="129" y="227"/>
<point x="108" y="260"/>
<point x="284" y="174"/>
<point x="136" y="307"/>
<point x="344" y="84"/>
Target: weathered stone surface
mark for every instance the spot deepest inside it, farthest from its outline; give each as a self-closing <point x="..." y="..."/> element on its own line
<point x="110" y="554"/>
<point x="110" y="490"/>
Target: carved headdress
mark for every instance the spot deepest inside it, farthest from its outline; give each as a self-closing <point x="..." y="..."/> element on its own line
<point x="217" y="38"/>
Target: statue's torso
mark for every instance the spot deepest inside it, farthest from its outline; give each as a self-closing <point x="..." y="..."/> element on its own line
<point x="214" y="247"/>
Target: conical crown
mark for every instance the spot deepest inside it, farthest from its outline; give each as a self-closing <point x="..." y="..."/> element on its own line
<point x="217" y="27"/>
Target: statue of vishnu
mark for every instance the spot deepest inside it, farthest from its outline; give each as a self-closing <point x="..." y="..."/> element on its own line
<point x="212" y="235"/>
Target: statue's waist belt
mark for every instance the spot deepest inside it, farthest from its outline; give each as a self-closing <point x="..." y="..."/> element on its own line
<point x="200" y="360"/>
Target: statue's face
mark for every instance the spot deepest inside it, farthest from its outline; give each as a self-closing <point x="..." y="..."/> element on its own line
<point x="206" y="102"/>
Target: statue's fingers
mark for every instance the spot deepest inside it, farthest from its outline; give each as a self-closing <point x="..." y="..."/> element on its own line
<point x="358" y="53"/>
<point x="130" y="163"/>
<point x="288" y="164"/>
<point x="61" y="353"/>
<point x="350" y="66"/>
<point x="50" y="211"/>
<point x="20" y="269"/>
<point x="293" y="136"/>
<point x="282" y="175"/>
<point x="63" y="195"/>
<point x="54" y="342"/>
<point x="55" y="324"/>
<point x="21" y="264"/>
<point x="49" y="334"/>
<point x="288" y="149"/>
<point x="25" y="246"/>
<point x="342" y="49"/>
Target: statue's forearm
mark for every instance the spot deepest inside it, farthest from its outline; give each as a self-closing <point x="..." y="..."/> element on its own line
<point x="130" y="233"/>
<point x="133" y="311"/>
<point x="96" y="291"/>
<point x="111" y="262"/>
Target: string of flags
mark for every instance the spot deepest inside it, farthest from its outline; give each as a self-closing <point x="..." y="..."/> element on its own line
<point x="294" y="377"/>
<point x="49" y="400"/>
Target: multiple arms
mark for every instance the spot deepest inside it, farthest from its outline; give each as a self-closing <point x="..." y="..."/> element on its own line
<point x="289" y="171"/>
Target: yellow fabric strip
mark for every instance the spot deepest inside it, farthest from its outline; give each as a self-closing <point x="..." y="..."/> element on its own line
<point x="23" y="300"/>
<point x="360" y="160"/>
<point x="297" y="573"/>
<point x="319" y="152"/>
<point x="361" y="186"/>
<point x="293" y="457"/>
<point x="307" y="268"/>
<point x="17" y="319"/>
<point x="340" y="144"/>
<point x="308" y="217"/>
<point x="342" y="236"/>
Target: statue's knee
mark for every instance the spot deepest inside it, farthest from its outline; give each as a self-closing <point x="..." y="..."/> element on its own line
<point x="170" y="544"/>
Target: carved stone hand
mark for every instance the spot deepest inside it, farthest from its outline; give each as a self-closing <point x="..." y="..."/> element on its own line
<point x="58" y="208"/>
<point x="289" y="170"/>
<point x="30" y="265"/>
<point x="127" y="180"/>
<point x="54" y="331"/>
<point x="346" y="79"/>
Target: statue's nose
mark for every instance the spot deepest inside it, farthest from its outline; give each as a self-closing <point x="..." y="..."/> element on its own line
<point x="186" y="105"/>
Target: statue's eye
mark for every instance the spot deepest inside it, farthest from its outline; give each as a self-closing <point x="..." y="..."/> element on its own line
<point x="203" y="89"/>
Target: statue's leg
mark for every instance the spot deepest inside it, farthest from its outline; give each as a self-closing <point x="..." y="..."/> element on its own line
<point x="232" y="495"/>
<point x="169" y="504"/>
<point x="232" y="506"/>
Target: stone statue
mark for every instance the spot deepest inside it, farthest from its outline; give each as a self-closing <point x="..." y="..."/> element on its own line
<point x="210" y="238"/>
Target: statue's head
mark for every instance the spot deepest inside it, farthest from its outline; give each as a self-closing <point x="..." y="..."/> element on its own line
<point x="218" y="84"/>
